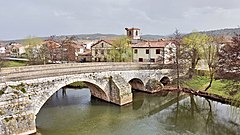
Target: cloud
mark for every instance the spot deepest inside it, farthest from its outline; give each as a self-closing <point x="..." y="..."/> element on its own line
<point x="47" y="17"/>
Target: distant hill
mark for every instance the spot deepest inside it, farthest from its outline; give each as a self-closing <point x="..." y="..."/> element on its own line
<point x="222" y="32"/>
<point x="96" y="36"/>
<point x="152" y="37"/>
<point x="99" y="36"/>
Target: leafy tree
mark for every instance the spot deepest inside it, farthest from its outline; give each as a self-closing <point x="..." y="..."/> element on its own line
<point x="210" y="49"/>
<point x="192" y="50"/>
<point x="34" y="50"/>
<point x="121" y="51"/>
<point x="32" y="41"/>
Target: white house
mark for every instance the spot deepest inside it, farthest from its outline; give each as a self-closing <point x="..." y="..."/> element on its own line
<point x="17" y="50"/>
<point x="2" y="49"/>
<point x="154" y="51"/>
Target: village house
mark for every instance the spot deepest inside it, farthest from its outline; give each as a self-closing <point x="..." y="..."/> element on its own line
<point x="2" y="50"/>
<point x="101" y="50"/>
<point x="16" y="49"/>
<point x="161" y="51"/>
<point x="86" y="56"/>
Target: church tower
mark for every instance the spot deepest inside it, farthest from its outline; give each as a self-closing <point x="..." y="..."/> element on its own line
<point x="133" y="33"/>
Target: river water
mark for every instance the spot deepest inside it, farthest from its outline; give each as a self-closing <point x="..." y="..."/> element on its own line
<point x="76" y="113"/>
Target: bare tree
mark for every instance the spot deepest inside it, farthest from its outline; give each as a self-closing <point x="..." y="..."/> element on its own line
<point x="177" y="38"/>
<point x="1" y="62"/>
<point x="33" y="49"/>
<point x="66" y="43"/>
<point x="229" y="58"/>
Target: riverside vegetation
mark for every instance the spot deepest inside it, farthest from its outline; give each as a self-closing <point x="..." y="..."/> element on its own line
<point x="222" y="87"/>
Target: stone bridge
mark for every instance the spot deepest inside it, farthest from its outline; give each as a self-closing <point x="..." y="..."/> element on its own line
<point x="24" y="90"/>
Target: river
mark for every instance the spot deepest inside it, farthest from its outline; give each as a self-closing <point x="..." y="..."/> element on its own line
<point x="76" y="113"/>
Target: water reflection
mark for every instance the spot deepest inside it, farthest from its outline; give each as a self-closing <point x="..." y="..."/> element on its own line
<point x="76" y="112"/>
<point x="200" y="116"/>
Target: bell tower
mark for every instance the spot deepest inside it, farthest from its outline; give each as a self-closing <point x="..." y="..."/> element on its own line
<point x="133" y="33"/>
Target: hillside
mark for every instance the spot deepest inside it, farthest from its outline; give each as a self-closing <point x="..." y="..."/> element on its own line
<point x="222" y="32"/>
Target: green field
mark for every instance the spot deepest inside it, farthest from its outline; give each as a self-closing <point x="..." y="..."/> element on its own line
<point x="225" y="88"/>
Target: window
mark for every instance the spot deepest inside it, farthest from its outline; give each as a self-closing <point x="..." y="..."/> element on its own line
<point x="130" y="33"/>
<point x="140" y="59"/>
<point x="102" y="52"/>
<point x="135" y="51"/>
<point x="147" y="51"/>
<point x="102" y="45"/>
<point x="152" y="60"/>
<point x="108" y="51"/>
<point x="158" y="51"/>
<point x="136" y="33"/>
<point x="96" y="52"/>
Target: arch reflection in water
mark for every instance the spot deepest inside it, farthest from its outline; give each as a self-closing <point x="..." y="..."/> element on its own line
<point x="172" y="113"/>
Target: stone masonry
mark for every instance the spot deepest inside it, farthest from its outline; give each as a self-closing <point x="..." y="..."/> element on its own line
<point x="24" y="91"/>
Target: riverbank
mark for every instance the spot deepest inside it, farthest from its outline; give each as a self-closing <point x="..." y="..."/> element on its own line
<point x="207" y="95"/>
<point x="14" y="63"/>
<point x="225" y="91"/>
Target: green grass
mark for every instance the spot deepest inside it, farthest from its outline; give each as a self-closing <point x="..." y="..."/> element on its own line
<point x="14" y="64"/>
<point x="78" y="85"/>
<point x="225" y="88"/>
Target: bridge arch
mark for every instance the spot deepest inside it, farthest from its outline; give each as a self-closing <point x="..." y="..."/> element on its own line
<point x="96" y="90"/>
<point x="165" y="80"/>
<point x="137" y="84"/>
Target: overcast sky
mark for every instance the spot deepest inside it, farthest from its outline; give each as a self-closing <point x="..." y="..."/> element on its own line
<point x="21" y="18"/>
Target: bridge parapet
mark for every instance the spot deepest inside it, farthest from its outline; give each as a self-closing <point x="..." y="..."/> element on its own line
<point x="32" y="72"/>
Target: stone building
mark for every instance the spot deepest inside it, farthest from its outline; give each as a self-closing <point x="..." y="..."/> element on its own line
<point x="100" y="50"/>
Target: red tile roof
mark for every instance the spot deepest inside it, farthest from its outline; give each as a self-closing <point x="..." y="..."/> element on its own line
<point x="151" y="44"/>
<point x="106" y="41"/>
<point x="77" y="46"/>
